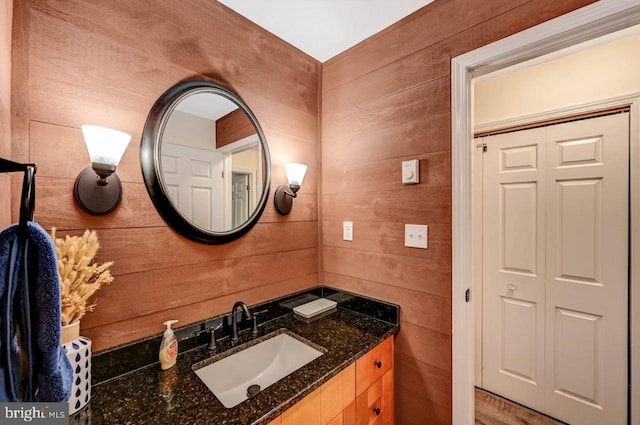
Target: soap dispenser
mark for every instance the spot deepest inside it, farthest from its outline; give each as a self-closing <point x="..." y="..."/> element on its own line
<point x="168" y="347"/>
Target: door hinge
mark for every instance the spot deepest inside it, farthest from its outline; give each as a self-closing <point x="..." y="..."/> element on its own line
<point x="222" y="173"/>
<point x="467" y="295"/>
<point x="483" y="146"/>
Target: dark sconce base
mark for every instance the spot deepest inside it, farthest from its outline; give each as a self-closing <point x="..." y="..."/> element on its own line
<point x="283" y="198"/>
<point x="93" y="195"/>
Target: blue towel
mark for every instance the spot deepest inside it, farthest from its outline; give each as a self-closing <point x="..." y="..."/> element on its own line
<point x="50" y="372"/>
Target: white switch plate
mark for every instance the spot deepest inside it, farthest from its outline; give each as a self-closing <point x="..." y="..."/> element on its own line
<point x="416" y="236"/>
<point x="411" y="171"/>
<point x="347" y="230"/>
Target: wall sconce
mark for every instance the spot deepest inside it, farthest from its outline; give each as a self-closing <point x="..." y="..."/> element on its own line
<point x="98" y="189"/>
<point x="283" y="198"/>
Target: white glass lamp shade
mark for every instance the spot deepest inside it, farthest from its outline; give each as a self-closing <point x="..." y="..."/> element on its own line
<point x="295" y="173"/>
<point x="105" y="145"/>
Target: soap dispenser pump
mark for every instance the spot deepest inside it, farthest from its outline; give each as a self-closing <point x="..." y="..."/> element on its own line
<point x="168" y="347"/>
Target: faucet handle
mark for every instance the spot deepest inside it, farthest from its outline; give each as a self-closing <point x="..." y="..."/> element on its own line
<point x="254" y="316"/>
<point x="212" y="340"/>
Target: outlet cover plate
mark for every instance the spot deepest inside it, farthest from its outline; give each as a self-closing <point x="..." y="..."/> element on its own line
<point x="347" y="230"/>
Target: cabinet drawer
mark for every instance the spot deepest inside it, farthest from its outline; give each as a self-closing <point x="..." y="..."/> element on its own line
<point x="369" y="406"/>
<point x="375" y="405"/>
<point x="373" y="365"/>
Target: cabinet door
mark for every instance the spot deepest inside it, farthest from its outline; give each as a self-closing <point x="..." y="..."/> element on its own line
<point x="307" y="411"/>
<point x="373" y="365"/>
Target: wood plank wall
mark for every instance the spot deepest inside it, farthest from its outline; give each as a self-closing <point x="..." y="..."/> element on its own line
<point x="384" y="101"/>
<point x="6" y="16"/>
<point x="233" y="127"/>
<point x="105" y="62"/>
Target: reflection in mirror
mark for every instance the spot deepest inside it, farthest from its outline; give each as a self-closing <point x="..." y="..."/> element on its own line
<point x="206" y="138"/>
<point x="211" y="161"/>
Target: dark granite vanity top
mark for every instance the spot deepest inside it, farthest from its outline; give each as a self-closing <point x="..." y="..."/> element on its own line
<point x="152" y="396"/>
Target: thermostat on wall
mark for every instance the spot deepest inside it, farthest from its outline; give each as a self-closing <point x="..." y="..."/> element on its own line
<point x="411" y="171"/>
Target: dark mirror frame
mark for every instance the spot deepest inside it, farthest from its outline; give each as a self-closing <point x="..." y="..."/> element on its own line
<point x="152" y="167"/>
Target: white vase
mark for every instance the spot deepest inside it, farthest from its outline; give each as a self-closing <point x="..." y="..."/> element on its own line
<point x="78" y="352"/>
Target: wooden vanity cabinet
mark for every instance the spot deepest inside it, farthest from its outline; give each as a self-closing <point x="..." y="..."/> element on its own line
<point x="374" y="386"/>
<point x="360" y="394"/>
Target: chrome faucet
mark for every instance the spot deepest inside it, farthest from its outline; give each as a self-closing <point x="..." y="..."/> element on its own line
<point x="234" y="319"/>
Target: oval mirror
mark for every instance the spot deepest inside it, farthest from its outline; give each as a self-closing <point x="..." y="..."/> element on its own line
<point x="205" y="162"/>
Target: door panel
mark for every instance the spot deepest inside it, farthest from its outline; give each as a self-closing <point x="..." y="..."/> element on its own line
<point x="513" y="266"/>
<point x="576" y="336"/>
<point x="194" y="180"/>
<point x="587" y="270"/>
<point x="555" y="268"/>
<point x="579" y="230"/>
<point x="519" y="324"/>
<point x="518" y="233"/>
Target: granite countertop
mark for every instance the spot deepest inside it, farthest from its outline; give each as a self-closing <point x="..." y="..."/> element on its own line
<point x="152" y="396"/>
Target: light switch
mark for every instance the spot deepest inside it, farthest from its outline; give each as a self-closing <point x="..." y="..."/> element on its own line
<point x="416" y="236"/>
<point x="347" y="230"/>
<point x="411" y="172"/>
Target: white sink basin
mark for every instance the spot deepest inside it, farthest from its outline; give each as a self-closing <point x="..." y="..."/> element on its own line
<point x="262" y="364"/>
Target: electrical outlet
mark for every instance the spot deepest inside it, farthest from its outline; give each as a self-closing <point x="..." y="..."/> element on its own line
<point x="347" y="230"/>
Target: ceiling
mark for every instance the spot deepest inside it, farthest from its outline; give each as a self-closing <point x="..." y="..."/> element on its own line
<point x="324" y="28"/>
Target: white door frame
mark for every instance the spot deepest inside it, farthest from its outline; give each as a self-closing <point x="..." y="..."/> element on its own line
<point x="584" y="24"/>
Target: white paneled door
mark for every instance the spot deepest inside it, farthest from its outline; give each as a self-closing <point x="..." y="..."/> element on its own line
<point x="555" y="268"/>
<point x="193" y="178"/>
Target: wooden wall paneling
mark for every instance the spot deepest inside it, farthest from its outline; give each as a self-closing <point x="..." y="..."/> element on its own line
<point x="394" y="109"/>
<point x="414" y="409"/>
<point x="182" y="34"/>
<point x="106" y="62"/>
<point x="56" y="207"/>
<point x="294" y="146"/>
<point x="388" y="237"/>
<point x="431" y="277"/>
<point x="381" y="144"/>
<point x="426" y="345"/>
<point x="19" y="149"/>
<point x="405" y="206"/>
<point x="116" y="333"/>
<point x="6" y="19"/>
<point x="197" y="282"/>
<point x="127" y="251"/>
<point x="423" y="28"/>
<point x="305" y="208"/>
<point x="52" y="161"/>
<point x="414" y="302"/>
<point x="381" y="175"/>
<point x="233" y="127"/>
<point x="428" y="26"/>
<point x="83" y="78"/>
<point x="428" y="381"/>
<point x="20" y="105"/>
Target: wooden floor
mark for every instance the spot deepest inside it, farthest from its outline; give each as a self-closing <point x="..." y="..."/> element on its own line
<point x="494" y="410"/>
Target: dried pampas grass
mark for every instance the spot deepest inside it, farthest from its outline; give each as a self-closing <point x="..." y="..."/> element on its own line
<point x="80" y="276"/>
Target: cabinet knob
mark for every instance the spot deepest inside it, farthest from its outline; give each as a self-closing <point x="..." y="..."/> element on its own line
<point x="377" y="411"/>
<point x="378" y="363"/>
